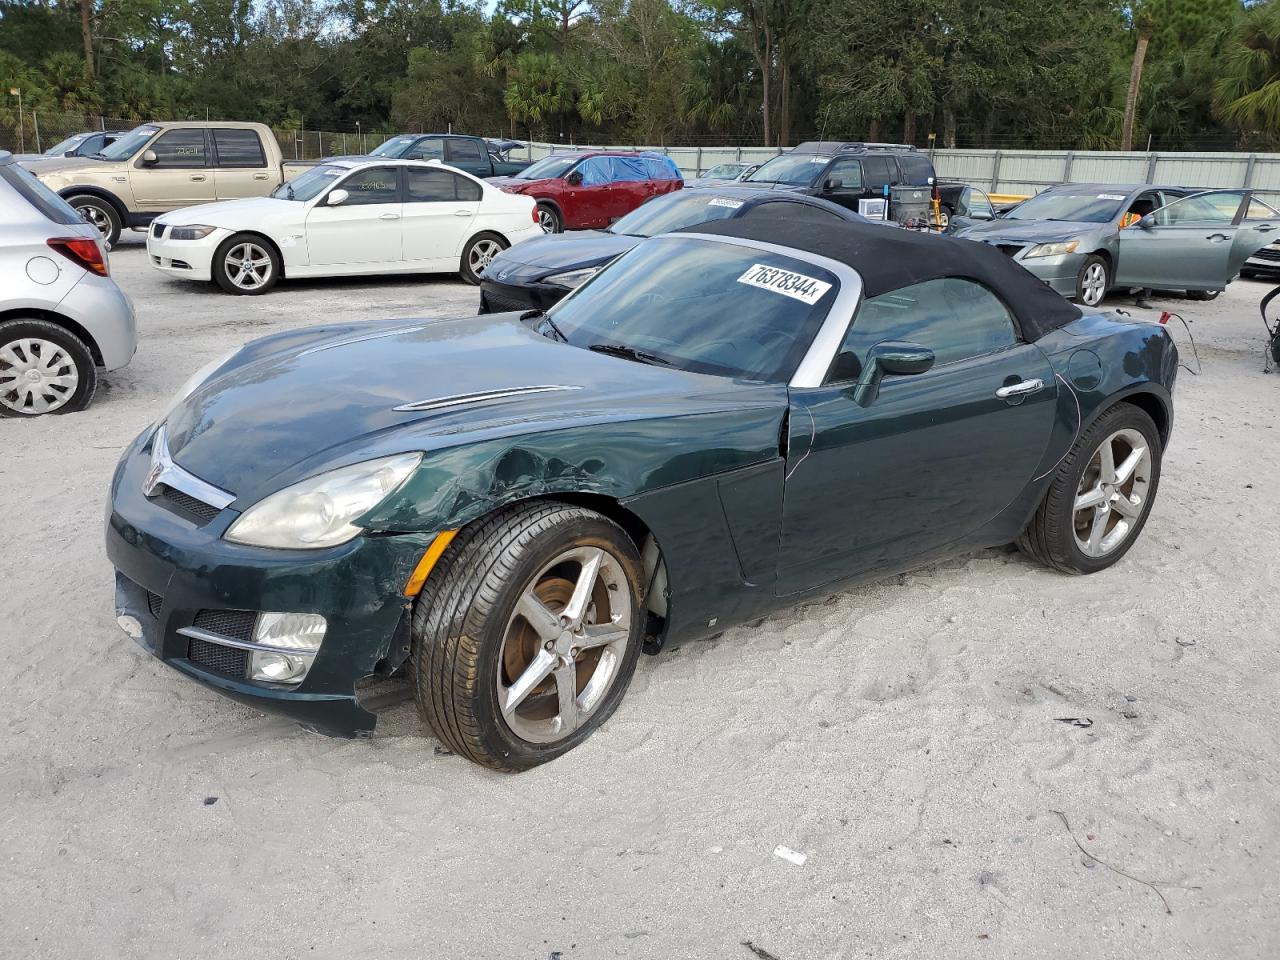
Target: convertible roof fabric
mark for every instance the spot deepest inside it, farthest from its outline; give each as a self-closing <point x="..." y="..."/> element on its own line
<point x="889" y="259"/>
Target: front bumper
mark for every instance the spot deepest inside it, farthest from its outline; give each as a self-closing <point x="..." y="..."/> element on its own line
<point x="190" y="259"/>
<point x="500" y="297"/>
<point x="174" y="571"/>
<point x="1060" y="273"/>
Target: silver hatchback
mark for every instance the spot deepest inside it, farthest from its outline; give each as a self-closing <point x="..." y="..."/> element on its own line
<point x="62" y="317"/>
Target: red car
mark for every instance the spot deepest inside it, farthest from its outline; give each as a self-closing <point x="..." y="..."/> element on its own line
<point x="579" y="191"/>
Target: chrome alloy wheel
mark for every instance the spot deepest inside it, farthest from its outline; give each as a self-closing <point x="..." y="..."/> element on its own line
<point x="1112" y="494"/>
<point x="1093" y="284"/>
<point x="248" y="266"/>
<point x="546" y="220"/>
<point x="482" y="254"/>
<point x="36" y="376"/>
<point x="97" y="217"/>
<point x="564" y="644"/>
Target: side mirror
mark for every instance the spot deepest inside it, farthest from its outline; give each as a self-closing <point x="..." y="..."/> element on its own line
<point x="336" y="197"/>
<point x="149" y="156"/>
<point x="1146" y="223"/>
<point x="574" y="179"/>
<point x="896" y="358"/>
<point x="833" y="183"/>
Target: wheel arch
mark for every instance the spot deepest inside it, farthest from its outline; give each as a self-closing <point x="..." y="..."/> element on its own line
<point x="122" y="211"/>
<point x="35" y="313"/>
<point x="551" y="202"/>
<point x="1148" y="398"/>
<point x="259" y="235"/>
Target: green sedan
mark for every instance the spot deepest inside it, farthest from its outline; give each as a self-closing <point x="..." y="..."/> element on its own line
<point x="509" y="509"/>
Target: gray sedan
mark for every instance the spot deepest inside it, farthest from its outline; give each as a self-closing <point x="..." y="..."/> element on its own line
<point x="1084" y="239"/>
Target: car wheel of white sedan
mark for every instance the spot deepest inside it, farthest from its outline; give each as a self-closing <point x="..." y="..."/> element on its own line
<point x="246" y="264"/>
<point x="479" y="253"/>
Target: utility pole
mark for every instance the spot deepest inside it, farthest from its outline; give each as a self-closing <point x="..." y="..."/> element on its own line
<point x="22" y="137"/>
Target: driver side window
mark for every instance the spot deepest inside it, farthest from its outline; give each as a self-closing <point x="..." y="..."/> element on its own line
<point x="954" y="317"/>
<point x="849" y="173"/>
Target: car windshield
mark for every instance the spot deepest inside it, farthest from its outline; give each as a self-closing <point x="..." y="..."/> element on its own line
<point x="129" y="144"/>
<point x="309" y="184"/>
<point x="1098" y="205"/>
<point x="744" y="313"/>
<point x="65" y="145"/>
<point x="548" y="168"/>
<point x="675" y="210"/>
<point x="795" y="169"/>
<point x="724" y="171"/>
<point x="394" y="148"/>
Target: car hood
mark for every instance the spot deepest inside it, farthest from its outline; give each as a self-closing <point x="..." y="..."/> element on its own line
<point x="291" y="407"/>
<point x="233" y="214"/>
<point x="516" y="185"/>
<point x="1027" y="231"/>
<point x="63" y="166"/>
<point x="541" y="257"/>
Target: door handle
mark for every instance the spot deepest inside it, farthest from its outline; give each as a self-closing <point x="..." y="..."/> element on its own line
<point x="197" y="177"/>
<point x="389" y="216"/>
<point x="1020" y="389"/>
<point x="1217" y="237"/>
<point x="462" y="213"/>
<point x="260" y="176"/>
<point x="1264" y="228"/>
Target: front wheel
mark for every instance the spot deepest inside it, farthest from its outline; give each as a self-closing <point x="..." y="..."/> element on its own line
<point x="44" y="368"/>
<point x="1101" y="496"/>
<point x="100" y="214"/>
<point x="526" y="634"/>
<point x="478" y="254"/>
<point x="549" y="219"/>
<point x="1203" y="294"/>
<point x="246" y="264"/>
<point x="1093" y="281"/>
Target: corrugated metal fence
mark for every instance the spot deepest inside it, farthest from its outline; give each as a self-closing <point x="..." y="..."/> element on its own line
<point x="1028" y="171"/>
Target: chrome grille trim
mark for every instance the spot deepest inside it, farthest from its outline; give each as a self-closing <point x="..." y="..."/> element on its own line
<point x="164" y="472"/>
<point x="462" y="399"/>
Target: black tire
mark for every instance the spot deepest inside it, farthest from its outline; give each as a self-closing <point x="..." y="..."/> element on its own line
<point x="1203" y="294"/>
<point x="549" y="219"/>
<point x="468" y="269"/>
<point x="1086" y="291"/>
<point x="223" y="277"/>
<point x="1050" y="537"/>
<point x="460" y="624"/>
<point x="77" y="398"/>
<point x="101" y="213"/>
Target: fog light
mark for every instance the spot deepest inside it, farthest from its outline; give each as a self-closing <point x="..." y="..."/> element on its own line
<point x="290" y="631"/>
<point x="279" y="667"/>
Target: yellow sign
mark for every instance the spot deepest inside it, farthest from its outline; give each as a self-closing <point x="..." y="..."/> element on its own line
<point x="14" y="91"/>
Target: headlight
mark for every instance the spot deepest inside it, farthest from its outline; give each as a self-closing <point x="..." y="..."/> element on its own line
<point x="573" y="278"/>
<point x="193" y="383"/>
<point x="1052" y="249"/>
<point x="196" y="231"/>
<point x="320" y="512"/>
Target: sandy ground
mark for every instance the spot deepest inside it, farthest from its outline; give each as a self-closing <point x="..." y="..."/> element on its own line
<point x="904" y="737"/>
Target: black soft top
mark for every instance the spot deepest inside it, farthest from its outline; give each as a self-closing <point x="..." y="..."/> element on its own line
<point x="888" y="259"/>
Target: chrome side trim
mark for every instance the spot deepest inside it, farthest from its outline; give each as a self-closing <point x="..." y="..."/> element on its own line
<point x="462" y="399"/>
<point x="165" y="472"/>
<point x="195" y="633"/>
<point x="826" y="342"/>
<point x="360" y="339"/>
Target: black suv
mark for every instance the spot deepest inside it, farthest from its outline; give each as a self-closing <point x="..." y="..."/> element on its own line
<point x="845" y="172"/>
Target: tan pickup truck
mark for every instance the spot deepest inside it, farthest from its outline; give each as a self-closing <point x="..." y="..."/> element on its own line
<point x="159" y="167"/>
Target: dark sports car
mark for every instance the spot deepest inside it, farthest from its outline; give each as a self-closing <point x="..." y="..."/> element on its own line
<point x="539" y="272"/>
<point x="721" y="422"/>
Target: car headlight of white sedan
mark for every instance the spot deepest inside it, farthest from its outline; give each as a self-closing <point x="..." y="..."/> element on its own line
<point x="193" y="231"/>
<point x="321" y="511"/>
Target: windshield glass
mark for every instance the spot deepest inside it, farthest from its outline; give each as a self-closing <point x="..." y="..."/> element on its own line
<point x="65" y="145"/>
<point x="129" y="144"/>
<point x="701" y="306"/>
<point x="309" y="184"/>
<point x="725" y="171"/>
<point x="675" y="210"/>
<point x="1099" y="205"/>
<point x="796" y="169"/>
<point x="548" y="168"/>
<point x="394" y="147"/>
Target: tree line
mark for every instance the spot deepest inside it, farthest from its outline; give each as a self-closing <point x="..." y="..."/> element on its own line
<point x="1086" y="74"/>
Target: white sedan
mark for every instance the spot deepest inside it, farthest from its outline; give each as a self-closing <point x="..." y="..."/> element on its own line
<point x="346" y="218"/>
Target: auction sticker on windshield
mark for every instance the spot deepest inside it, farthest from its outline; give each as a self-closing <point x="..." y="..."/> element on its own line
<point x="794" y="285"/>
<point x="723" y="202"/>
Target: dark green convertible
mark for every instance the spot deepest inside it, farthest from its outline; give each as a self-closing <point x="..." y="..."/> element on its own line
<point x="509" y="508"/>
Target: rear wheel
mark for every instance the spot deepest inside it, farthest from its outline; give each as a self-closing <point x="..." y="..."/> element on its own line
<point x="100" y="213"/>
<point x="43" y="369"/>
<point x="246" y="264"/>
<point x="1203" y="294"/>
<point x="549" y="219"/>
<point x="1093" y="281"/>
<point x="478" y="254"/>
<point x="526" y="634"/>
<point x="1101" y="496"/>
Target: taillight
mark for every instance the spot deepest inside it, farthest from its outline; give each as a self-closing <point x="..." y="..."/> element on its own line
<point x="85" y="252"/>
<point x="534" y="211"/>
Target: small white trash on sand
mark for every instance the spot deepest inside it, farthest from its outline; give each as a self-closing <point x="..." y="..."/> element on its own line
<point x="791" y="856"/>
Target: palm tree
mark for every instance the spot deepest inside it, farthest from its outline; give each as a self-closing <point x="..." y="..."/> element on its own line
<point x="1247" y="92"/>
<point x="1144" y="24"/>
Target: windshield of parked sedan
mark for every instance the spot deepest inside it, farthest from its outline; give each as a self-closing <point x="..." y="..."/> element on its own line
<point x="65" y="145"/>
<point x="394" y="147"/>
<point x="309" y="184"/>
<point x="680" y="209"/>
<point x="795" y="169"/>
<point x="700" y="305"/>
<point x="129" y="144"/>
<point x="548" y="168"/>
<point x="1098" y="205"/>
<point x="724" y="170"/>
